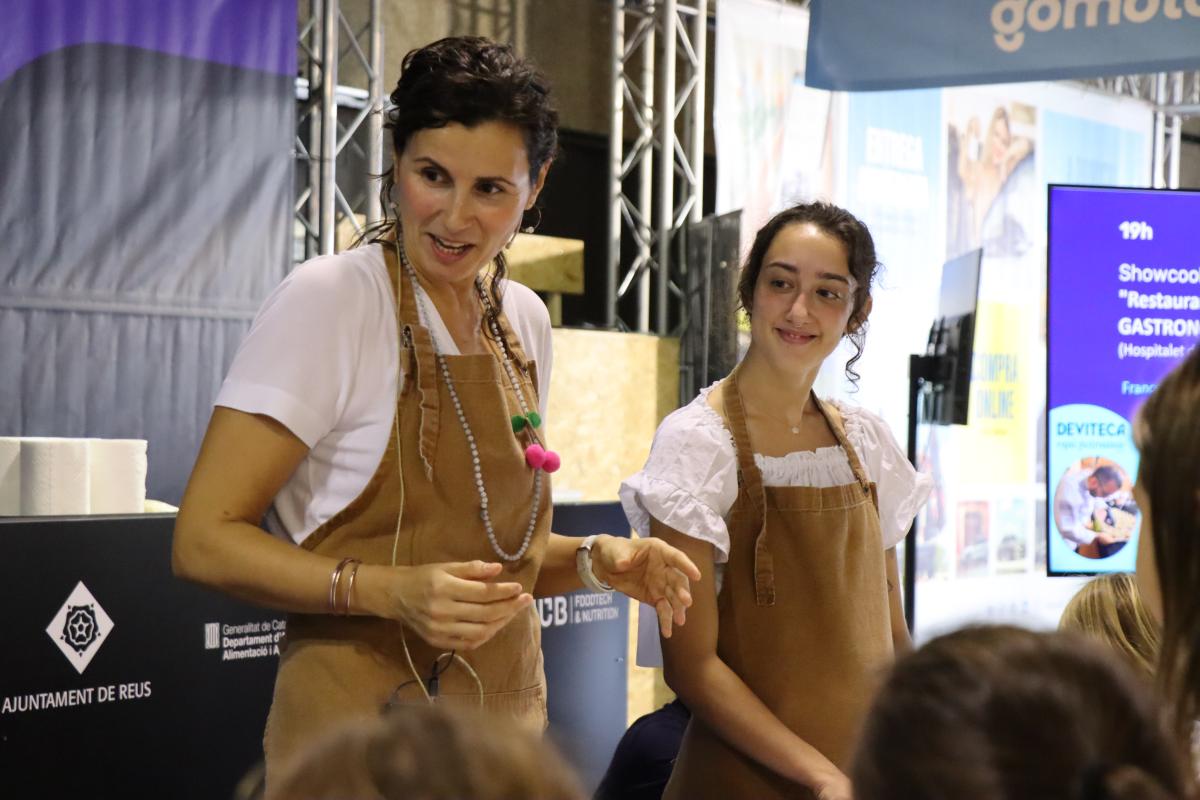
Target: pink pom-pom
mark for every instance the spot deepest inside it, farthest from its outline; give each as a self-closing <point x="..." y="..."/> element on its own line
<point x="552" y="462"/>
<point x="535" y="456"/>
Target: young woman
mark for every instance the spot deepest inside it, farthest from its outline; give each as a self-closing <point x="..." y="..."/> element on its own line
<point x="384" y="413"/>
<point x="792" y="507"/>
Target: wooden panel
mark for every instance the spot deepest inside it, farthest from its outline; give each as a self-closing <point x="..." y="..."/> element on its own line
<point x="608" y="393"/>
<point x="546" y="263"/>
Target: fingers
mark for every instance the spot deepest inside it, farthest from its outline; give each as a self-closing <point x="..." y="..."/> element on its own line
<point x="663" y="607"/>
<point x="679" y="599"/>
<point x="501" y="610"/>
<point x="465" y="626"/>
<point x="473" y="570"/>
<point x="468" y="581"/>
<point x="681" y="562"/>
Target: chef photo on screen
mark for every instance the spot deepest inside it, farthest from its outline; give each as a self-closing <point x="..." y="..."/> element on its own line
<point x="1094" y="509"/>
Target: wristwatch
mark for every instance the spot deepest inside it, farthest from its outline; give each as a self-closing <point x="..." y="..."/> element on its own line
<point x="583" y="564"/>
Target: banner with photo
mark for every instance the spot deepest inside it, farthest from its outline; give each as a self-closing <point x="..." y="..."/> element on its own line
<point x="774" y="136"/>
<point x="892" y="180"/>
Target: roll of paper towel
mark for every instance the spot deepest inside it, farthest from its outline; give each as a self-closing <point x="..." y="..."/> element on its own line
<point x="10" y="476"/>
<point x="54" y="477"/>
<point x="117" y="470"/>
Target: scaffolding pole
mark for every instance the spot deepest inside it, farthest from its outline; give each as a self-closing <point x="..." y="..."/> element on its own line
<point x="329" y="40"/>
<point x="658" y="78"/>
<point x="1176" y="97"/>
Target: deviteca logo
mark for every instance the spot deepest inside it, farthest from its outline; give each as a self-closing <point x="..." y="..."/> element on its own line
<point x="80" y="627"/>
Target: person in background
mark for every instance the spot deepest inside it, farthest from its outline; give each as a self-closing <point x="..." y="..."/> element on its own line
<point x="642" y="762"/>
<point x="385" y="413"/>
<point x="1080" y="493"/>
<point x="1003" y="713"/>
<point x="792" y="507"/>
<point x="1166" y="431"/>
<point x="430" y="753"/>
<point x="1109" y="609"/>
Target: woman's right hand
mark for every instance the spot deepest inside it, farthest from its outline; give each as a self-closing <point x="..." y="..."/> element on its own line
<point x="454" y="606"/>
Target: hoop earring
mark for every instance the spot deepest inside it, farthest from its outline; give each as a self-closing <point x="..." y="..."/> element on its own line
<point x="534" y="226"/>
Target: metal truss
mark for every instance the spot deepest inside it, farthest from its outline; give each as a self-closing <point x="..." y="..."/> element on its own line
<point x="499" y="20"/>
<point x="658" y="58"/>
<point x="328" y="41"/>
<point x="1176" y="97"/>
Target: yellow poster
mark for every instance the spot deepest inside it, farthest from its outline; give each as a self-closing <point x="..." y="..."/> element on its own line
<point x="996" y="442"/>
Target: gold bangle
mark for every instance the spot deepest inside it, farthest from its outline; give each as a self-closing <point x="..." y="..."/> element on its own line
<point x="350" y="586"/>
<point x="334" y="580"/>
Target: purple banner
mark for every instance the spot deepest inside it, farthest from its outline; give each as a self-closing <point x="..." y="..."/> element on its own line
<point x="255" y="34"/>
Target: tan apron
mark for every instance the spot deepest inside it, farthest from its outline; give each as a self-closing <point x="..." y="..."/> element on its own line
<point x="334" y="668"/>
<point x="803" y="617"/>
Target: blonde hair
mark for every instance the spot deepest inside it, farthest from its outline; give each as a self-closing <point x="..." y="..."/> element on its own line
<point x="429" y="753"/>
<point x="1109" y="609"/>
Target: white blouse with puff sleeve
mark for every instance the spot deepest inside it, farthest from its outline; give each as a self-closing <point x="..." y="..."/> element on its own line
<point x="689" y="482"/>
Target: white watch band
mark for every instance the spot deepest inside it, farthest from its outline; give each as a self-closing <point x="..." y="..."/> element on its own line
<point x="583" y="565"/>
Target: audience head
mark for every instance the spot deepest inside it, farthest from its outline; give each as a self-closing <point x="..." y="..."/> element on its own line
<point x="429" y="753"/>
<point x="1002" y="713"/>
<point x="1109" y="609"/>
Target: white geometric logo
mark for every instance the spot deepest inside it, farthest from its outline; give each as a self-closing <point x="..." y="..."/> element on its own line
<point x="79" y="627"/>
<point x="212" y="635"/>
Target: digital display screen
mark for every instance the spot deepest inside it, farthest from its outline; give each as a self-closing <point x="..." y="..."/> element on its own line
<point x="1123" y="308"/>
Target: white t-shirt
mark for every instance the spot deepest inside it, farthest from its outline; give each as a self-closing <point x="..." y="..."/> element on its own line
<point x="689" y="483"/>
<point x="322" y="358"/>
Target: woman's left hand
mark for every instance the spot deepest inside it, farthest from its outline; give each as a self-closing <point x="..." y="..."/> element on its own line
<point x="648" y="570"/>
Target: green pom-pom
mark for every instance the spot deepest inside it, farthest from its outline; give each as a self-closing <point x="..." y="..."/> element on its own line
<point x="535" y="419"/>
<point x="518" y="423"/>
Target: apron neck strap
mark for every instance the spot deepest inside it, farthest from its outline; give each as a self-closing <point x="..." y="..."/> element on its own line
<point x="406" y="303"/>
<point x="735" y="413"/>
<point x="751" y="481"/>
<point x="834" y="417"/>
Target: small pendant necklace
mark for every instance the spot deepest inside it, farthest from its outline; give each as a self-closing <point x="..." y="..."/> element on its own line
<point x="794" y="428"/>
<point x="536" y="456"/>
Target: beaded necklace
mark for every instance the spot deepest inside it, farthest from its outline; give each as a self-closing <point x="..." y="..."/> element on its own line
<point x="536" y="456"/>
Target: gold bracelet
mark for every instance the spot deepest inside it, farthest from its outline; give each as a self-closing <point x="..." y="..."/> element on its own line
<point x="334" y="580"/>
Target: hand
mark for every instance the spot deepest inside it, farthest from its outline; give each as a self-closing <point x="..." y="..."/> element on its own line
<point x="649" y="570"/>
<point x="833" y="787"/>
<point x="453" y="606"/>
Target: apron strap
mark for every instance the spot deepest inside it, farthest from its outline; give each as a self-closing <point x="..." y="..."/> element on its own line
<point x="833" y="416"/>
<point x="423" y="364"/>
<point x="750" y="478"/>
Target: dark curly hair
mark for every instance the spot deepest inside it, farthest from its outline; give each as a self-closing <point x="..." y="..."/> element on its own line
<point x="860" y="256"/>
<point x="469" y="80"/>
